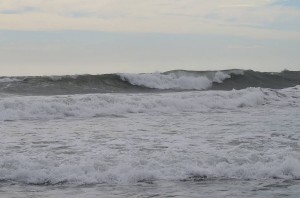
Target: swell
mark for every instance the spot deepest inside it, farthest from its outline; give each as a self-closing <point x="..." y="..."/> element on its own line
<point x="176" y="80"/>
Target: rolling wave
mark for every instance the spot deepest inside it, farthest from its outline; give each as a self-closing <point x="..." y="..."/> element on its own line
<point x="176" y="80"/>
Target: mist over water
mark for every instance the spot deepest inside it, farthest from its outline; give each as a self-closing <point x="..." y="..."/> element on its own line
<point x="230" y="133"/>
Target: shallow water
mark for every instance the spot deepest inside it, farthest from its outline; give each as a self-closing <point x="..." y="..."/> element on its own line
<point x="241" y="151"/>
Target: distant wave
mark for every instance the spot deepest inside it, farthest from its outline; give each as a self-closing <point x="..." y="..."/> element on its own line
<point x="95" y="105"/>
<point x="176" y="80"/>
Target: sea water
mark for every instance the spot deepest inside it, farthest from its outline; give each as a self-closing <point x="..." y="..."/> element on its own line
<point x="238" y="143"/>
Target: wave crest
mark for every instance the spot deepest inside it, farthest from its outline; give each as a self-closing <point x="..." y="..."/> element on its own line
<point x="175" y="80"/>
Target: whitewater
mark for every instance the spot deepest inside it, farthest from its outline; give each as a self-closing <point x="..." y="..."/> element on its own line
<point x="172" y="134"/>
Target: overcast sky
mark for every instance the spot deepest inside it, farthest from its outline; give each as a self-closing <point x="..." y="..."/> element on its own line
<point x="39" y="37"/>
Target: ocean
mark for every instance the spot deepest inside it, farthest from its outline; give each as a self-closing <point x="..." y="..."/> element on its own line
<point x="231" y="133"/>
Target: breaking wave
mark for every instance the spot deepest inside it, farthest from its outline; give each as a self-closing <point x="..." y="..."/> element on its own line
<point x="175" y="80"/>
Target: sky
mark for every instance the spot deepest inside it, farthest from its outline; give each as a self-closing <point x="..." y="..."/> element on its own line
<point x="58" y="37"/>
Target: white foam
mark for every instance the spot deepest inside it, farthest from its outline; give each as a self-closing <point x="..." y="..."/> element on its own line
<point x="41" y="107"/>
<point x="220" y="77"/>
